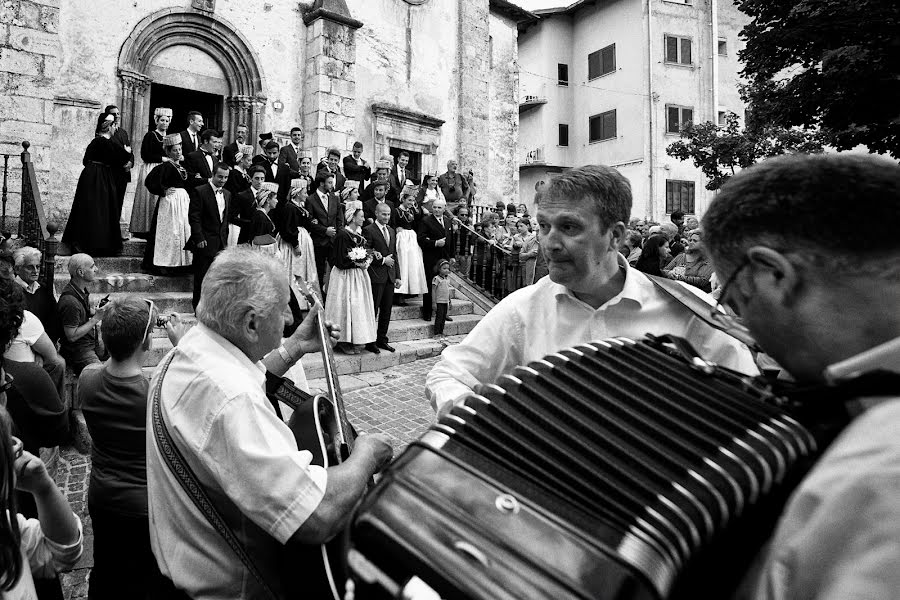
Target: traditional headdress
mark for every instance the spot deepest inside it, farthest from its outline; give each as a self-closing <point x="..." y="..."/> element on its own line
<point x="264" y="137"/>
<point x="350" y="209"/>
<point x="266" y="191"/>
<point x="245" y="149"/>
<point x="171" y="140"/>
<point x="103" y="123"/>
<point x="382" y="164"/>
<point x="345" y="193"/>
<point x="304" y="154"/>
<point x="162" y="112"/>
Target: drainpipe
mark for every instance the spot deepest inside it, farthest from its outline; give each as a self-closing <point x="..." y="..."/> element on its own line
<point x="650" y="109"/>
<point x="715" y="61"/>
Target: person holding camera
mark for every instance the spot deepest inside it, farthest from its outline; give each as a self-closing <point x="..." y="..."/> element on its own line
<point x="113" y="398"/>
<point x="78" y="345"/>
<point x="453" y="185"/>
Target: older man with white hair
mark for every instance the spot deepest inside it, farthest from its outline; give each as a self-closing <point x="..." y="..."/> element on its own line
<point x="435" y="235"/>
<point x="210" y="396"/>
<point x="39" y="300"/>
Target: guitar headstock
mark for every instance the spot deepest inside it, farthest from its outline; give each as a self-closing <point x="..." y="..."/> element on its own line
<point x="308" y="291"/>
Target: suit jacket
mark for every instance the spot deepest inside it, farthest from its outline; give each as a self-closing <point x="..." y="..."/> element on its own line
<point x="262" y="159"/>
<point x="228" y="153"/>
<point x="431" y="231"/>
<point x="243" y="205"/>
<point x="396" y="184"/>
<point x="187" y="146"/>
<point x="378" y="271"/>
<point x="322" y="218"/>
<point x="339" y="178"/>
<point x="370" y="205"/>
<point x="206" y="222"/>
<point x="287" y="155"/>
<point x="357" y="172"/>
<point x="196" y="164"/>
<point x="120" y="137"/>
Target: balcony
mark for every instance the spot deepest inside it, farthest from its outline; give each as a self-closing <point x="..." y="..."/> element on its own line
<point x="534" y="158"/>
<point x="531" y="97"/>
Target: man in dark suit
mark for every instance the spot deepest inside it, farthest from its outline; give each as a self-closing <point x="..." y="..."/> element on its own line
<point x="435" y="236"/>
<point x="327" y="217"/>
<point x="380" y="189"/>
<point x="208" y="217"/>
<point x="382" y="173"/>
<point x="331" y="165"/>
<point x="269" y="161"/>
<point x="202" y="163"/>
<point x="229" y="151"/>
<point x="384" y="273"/>
<point x="243" y="204"/>
<point x="356" y="168"/>
<point x="290" y="154"/>
<point x="120" y="137"/>
<point x="190" y="137"/>
<point x="400" y="175"/>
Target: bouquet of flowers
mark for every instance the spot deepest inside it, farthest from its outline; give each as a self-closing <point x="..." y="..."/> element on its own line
<point x="361" y="257"/>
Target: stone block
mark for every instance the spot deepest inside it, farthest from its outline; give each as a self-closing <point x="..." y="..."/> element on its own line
<point x="343" y="88"/>
<point x="15" y="131"/>
<point x="348" y="107"/>
<point x="30" y="40"/>
<point x="36" y="86"/>
<point x="324" y="102"/>
<point x="22" y="107"/>
<point x="29" y="14"/>
<point x="331" y="67"/>
<point x="50" y="19"/>
<point x="22" y="63"/>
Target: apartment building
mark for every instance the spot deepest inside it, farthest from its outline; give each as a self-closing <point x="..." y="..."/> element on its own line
<point x="613" y="81"/>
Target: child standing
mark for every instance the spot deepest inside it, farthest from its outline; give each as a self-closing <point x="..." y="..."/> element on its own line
<point x="440" y="292"/>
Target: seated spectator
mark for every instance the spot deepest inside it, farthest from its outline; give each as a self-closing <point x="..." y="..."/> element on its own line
<point x="692" y="266"/>
<point x="670" y="230"/>
<point x="631" y="246"/>
<point x="31" y="350"/>
<point x="31" y="548"/>
<point x="654" y="253"/>
<point x="113" y="398"/>
<point x="78" y="344"/>
<point x="39" y="300"/>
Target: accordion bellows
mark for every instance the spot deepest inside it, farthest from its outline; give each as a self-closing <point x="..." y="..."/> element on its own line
<point x="615" y="469"/>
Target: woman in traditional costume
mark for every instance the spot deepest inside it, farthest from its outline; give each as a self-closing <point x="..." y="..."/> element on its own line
<point x="171" y="229"/>
<point x="412" y="269"/>
<point x="429" y="192"/>
<point x="349" y="303"/>
<point x="152" y="155"/>
<point x="295" y="246"/>
<point x="93" y="225"/>
<point x="262" y="229"/>
<point x="238" y="182"/>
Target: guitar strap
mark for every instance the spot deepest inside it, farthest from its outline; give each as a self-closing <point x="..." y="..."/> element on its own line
<point x="182" y="471"/>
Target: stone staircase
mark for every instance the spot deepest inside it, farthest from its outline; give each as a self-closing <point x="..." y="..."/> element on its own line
<point x="409" y="334"/>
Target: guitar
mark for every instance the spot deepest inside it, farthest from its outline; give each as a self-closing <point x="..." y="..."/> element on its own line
<point x="322" y="428"/>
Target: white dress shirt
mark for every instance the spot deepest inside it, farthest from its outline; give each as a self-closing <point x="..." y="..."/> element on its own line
<point x="220" y="200"/>
<point x="546" y="317"/>
<point x="215" y="406"/>
<point x="29" y="287"/>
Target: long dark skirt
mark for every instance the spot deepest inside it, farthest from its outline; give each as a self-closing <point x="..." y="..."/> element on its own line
<point x="93" y="225"/>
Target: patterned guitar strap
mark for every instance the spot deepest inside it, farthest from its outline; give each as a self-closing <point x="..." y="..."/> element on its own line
<point x="192" y="487"/>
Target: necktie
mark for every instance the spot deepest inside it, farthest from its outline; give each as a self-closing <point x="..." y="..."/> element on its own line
<point x="384" y="232"/>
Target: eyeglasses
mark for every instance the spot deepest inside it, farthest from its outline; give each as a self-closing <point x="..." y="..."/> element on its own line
<point x="149" y="318"/>
<point x="7" y="382"/>
<point x="731" y="322"/>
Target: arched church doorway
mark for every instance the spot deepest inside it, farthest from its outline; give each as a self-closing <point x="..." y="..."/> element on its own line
<point x="190" y="61"/>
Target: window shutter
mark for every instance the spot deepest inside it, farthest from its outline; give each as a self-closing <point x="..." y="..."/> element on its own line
<point x="687" y="116"/>
<point x="593" y="65"/>
<point x="609" y="59"/>
<point x="672" y="125"/>
<point x="686" y="51"/>
<point x="671" y="49"/>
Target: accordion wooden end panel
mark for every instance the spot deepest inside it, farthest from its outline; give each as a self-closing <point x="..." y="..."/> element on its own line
<point x="612" y="470"/>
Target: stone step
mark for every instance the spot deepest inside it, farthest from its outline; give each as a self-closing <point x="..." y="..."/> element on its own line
<point x="166" y="302"/>
<point x="131" y="247"/>
<point x="106" y="264"/>
<point x="415" y="331"/>
<point x="135" y="282"/>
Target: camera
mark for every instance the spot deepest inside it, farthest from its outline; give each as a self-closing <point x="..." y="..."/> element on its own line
<point x="104" y="301"/>
<point x="161" y="321"/>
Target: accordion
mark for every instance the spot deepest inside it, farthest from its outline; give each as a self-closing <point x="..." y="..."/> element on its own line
<point x="618" y="469"/>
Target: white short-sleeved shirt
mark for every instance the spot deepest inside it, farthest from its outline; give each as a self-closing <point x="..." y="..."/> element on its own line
<point x="214" y="404"/>
<point x="29" y="333"/>
<point x="546" y="317"/>
<point x="41" y="557"/>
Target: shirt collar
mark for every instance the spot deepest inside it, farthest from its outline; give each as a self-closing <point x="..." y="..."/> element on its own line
<point x="885" y="356"/>
<point x="30" y="288"/>
<point x="256" y="370"/>
<point x="637" y="288"/>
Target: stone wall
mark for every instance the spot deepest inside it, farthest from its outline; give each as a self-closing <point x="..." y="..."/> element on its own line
<point x="474" y="89"/>
<point x="29" y="62"/>
<point x="502" y="174"/>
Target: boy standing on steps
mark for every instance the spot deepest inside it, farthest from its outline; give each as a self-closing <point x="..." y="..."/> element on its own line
<point x="440" y="291"/>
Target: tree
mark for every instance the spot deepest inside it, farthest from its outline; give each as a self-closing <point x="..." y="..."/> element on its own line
<point x="719" y="150"/>
<point x="828" y="65"/>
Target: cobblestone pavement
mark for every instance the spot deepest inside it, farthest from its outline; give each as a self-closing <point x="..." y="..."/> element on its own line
<point x="390" y="401"/>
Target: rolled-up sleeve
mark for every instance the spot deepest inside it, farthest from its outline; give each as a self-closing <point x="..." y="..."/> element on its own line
<point x="46" y="558"/>
<point x="255" y="459"/>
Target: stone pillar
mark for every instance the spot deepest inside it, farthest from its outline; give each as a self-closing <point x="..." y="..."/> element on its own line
<point x="239" y="111"/>
<point x="329" y="105"/>
<point x="474" y="76"/>
<point x="132" y="104"/>
<point x="255" y="117"/>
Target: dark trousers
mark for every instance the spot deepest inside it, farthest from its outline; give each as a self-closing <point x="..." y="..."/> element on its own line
<point x="440" y="316"/>
<point x="202" y="262"/>
<point x="323" y="258"/>
<point x="383" y="295"/>
<point x="429" y="263"/>
<point x="124" y="565"/>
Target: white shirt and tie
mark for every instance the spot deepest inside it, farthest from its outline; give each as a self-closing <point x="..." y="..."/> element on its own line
<point x="194" y="140"/>
<point x="220" y="200"/>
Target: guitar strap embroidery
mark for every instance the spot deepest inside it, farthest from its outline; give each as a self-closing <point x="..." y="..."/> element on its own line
<point x="182" y="471"/>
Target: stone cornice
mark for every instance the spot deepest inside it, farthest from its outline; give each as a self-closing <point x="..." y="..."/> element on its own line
<point x="331" y="10"/>
<point x="79" y="102"/>
<point x="402" y="114"/>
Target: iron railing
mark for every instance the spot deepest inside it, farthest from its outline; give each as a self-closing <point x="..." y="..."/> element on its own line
<point x="34" y="230"/>
<point x="495" y="270"/>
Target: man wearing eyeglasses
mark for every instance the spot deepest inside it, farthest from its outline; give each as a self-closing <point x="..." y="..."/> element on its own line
<point x="818" y="287"/>
<point x="590" y="294"/>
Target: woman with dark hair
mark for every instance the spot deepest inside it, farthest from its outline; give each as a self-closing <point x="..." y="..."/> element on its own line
<point x="653" y="255"/>
<point x="29" y="548"/>
<point x="428" y="192"/>
<point x="93" y="225"/>
<point x="152" y="154"/>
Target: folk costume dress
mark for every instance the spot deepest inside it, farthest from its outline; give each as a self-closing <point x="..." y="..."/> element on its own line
<point x="145" y="201"/>
<point x="93" y="225"/>
<point x="349" y="303"/>
<point x="412" y="267"/>
<point x="263" y="233"/>
<point x="171" y="229"/>
<point x="291" y="221"/>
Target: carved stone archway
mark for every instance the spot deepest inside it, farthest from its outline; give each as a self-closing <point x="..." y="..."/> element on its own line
<point x="217" y="37"/>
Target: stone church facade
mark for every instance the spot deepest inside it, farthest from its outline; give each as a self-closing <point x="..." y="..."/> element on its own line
<point x="438" y="78"/>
